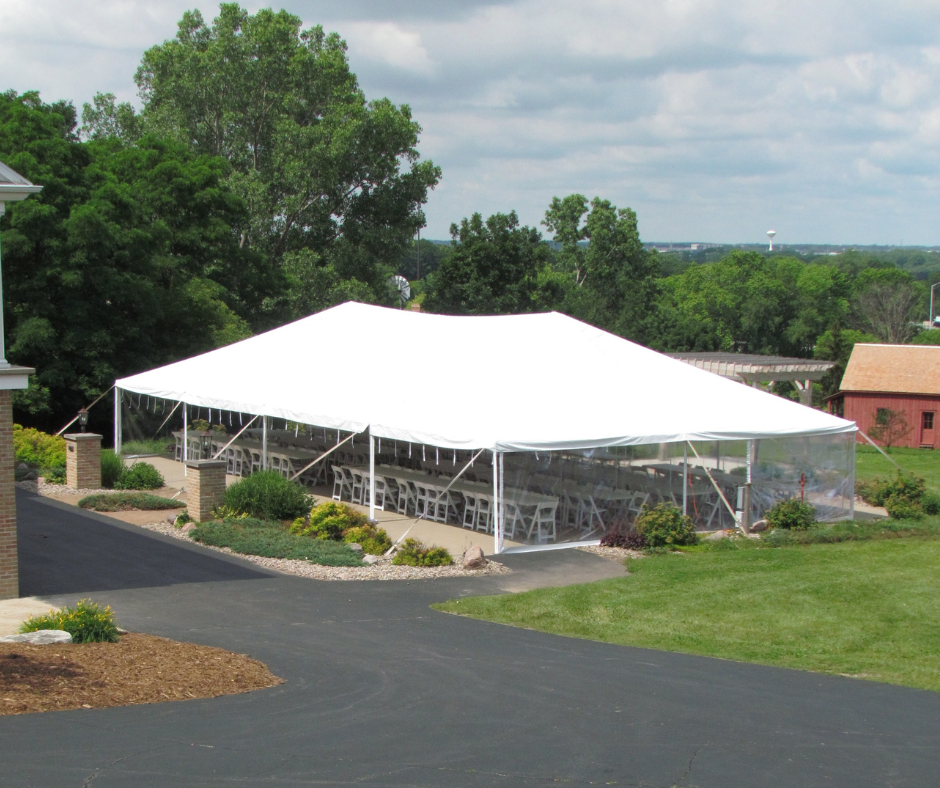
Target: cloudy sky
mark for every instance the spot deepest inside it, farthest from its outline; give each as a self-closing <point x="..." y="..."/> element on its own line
<point x="715" y="120"/>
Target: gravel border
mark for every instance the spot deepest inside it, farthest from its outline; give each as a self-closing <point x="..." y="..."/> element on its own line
<point x="383" y="570"/>
<point x="618" y="554"/>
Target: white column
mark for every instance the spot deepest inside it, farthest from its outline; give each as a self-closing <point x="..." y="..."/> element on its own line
<point x="685" y="479"/>
<point x="371" y="475"/>
<point x="497" y="523"/>
<point x="502" y="497"/>
<point x="117" y="420"/>
<point x="185" y="436"/>
<point x="264" y="443"/>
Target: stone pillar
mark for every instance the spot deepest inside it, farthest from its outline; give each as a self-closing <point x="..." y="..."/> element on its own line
<point x="9" y="569"/>
<point x="82" y="461"/>
<point x="205" y="488"/>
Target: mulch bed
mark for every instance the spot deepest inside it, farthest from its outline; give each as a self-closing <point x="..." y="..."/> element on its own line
<point x="138" y="669"/>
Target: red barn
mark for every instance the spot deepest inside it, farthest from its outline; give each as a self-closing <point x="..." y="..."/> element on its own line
<point x="900" y="378"/>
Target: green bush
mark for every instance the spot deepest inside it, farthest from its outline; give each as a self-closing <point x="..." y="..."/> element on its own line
<point x="903" y="485"/>
<point x="931" y="503"/>
<point x="87" y="622"/>
<point x="123" y="502"/>
<point x="792" y="515"/>
<point x="411" y="552"/>
<point x="665" y="526"/>
<point x="224" y="512"/>
<point x="140" y="476"/>
<point x="251" y="536"/>
<point x="155" y="446"/>
<point x="373" y="540"/>
<point x="112" y="467"/>
<point x="181" y="519"/>
<point x="268" y="496"/>
<point x="328" y="520"/>
<point x="39" y="449"/>
<point x="900" y="507"/>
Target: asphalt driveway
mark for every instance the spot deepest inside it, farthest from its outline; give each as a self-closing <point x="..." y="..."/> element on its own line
<point x="383" y="691"/>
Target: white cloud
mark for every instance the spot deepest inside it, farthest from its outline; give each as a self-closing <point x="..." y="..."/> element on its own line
<point x="712" y="118"/>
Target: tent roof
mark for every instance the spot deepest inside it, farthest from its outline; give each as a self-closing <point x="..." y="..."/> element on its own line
<point x="508" y="383"/>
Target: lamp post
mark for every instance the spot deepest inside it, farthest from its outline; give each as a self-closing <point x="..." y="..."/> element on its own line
<point x="930" y="319"/>
<point x="206" y="445"/>
<point x="83" y="418"/>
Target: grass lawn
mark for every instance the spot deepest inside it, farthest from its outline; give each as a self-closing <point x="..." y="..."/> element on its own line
<point x="869" y="463"/>
<point x="867" y="609"/>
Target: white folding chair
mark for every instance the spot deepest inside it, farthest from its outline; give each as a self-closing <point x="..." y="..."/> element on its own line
<point x="484" y="514"/>
<point x="543" y="523"/>
<point x="341" y="483"/>
<point x="469" y="511"/>
<point x="358" y="486"/>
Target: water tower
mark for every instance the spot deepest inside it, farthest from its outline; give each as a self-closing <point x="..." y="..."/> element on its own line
<point x="770" y="235"/>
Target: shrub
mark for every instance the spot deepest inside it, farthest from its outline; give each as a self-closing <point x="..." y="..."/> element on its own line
<point x="251" y="536"/>
<point x="38" y="449"/>
<point x="792" y="515"/>
<point x="140" y="476"/>
<point x="328" y="521"/>
<point x="931" y="503"/>
<point x="269" y="496"/>
<point x="123" y="502"/>
<point x="623" y="534"/>
<point x="224" y="512"/>
<point x="411" y="552"/>
<point x="181" y="519"/>
<point x="55" y="475"/>
<point x="87" y="622"/>
<point x="665" y="526"/>
<point x="900" y="507"/>
<point x="374" y="541"/>
<point x="904" y="485"/>
<point x="112" y="467"/>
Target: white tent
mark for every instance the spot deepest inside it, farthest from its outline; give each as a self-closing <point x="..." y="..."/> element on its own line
<point x="504" y="383"/>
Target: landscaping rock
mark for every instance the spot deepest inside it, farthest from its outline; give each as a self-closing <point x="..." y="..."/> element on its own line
<point x="40" y="638"/>
<point x="371" y="559"/>
<point x="715" y="536"/>
<point x="759" y="527"/>
<point x="473" y="558"/>
<point x="30" y="476"/>
<point x="22" y="467"/>
<point x="355" y="547"/>
<point x="171" y="518"/>
<point x="188" y="527"/>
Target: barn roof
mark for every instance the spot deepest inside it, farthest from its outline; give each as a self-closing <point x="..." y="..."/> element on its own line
<point x="896" y="369"/>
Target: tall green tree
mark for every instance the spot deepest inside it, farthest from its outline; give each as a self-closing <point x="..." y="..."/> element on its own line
<point x="123" y="261"/>
<point x="326" y="174"/>
<point x="613" y="277"/>
<point x="889" y="303"/>
<point x="493" y="268"/>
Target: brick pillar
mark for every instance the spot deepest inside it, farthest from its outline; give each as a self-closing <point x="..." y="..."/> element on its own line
<point x="9" y="571"/>
<point x="82" y="461"/>
<point x="205" y="488"/>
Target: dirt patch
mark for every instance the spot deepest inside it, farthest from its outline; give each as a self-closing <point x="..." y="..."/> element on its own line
<point x="138" y="669"/>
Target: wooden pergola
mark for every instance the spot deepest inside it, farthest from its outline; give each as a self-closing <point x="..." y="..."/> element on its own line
<point x="755" y="369"/>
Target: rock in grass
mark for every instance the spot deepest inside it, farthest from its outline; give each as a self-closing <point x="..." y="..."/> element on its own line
<point x="355" y="547"/>
<point x="715" y="536"/>
<point x="188" y="527"/>
<point x="473" y="558"/>
<point x="759" y="527"/>
<point x="370" y="559"/>
<point x="41" y="637"/>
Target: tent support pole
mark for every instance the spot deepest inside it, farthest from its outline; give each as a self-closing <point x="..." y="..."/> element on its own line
<point x="327" y="453"/>
<point x="237" y="435"/>
<point x="502" y="498"/>
<point x="746" y="518"/>
<point x="117" y="420"/>
<point x="497" y="523"/>
<point x="371" y="475"/>
<point x="264" y="443"/>
<point x="185" y="436"/>
<point x="685" y="480"/>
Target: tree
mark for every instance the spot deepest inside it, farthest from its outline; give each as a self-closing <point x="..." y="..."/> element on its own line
<point x="747" y="301"/>
<point x="493" y="268"/>
<point x="836" y="344"/>
<point x="890" y="426"/>
<point x="613" y="277"/>
<point x="123" y="262"/>
<point x="321" y="169"/>
<point x="888" y="302"/>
